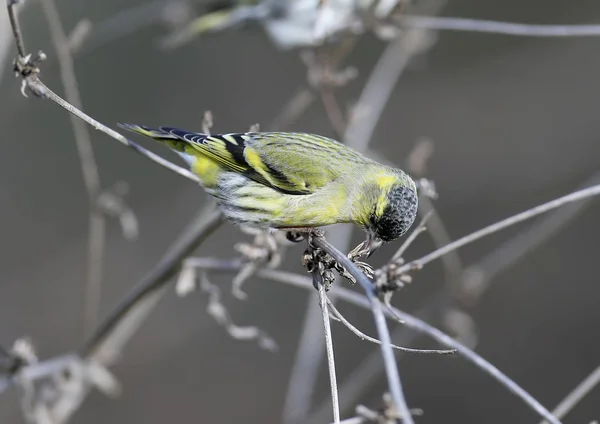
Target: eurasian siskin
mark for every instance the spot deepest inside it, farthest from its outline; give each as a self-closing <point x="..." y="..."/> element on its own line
<point x="295" y="181"/>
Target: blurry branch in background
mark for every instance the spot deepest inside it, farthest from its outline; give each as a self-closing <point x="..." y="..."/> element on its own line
<point x="6" y="39"/>
<point x="386" y="414"/>
<point x="89" y="168"/>
<point x="503" y="28"/>
<point x="103" y="349"/>
<point x="177" y="14"/>
<point x="109" y="339"/>
<point x="131" y="20"/>
<point x="578" y="393"/>
<point x="111" y="336"/>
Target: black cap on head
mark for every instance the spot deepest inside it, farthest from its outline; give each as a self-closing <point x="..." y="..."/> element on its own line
<point x="399" y="214"/>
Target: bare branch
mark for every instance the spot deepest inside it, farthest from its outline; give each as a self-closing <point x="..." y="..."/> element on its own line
<point x="476" y="278"/>
<point x="419" y="325"/>
<point x="387" y="414"/>
<point x="578" y="393"/>
<point x="16" y="28"/>
<point x="323" y="300"/>
<point x="79" y="34"/>
<point x="382" y="80"/>
<point x="408" y="320"/>
<point x="505" y="223"/>
<point x="363" y="336"/>
<point x="504" y="28"/>
<point x="367" y="372"/>
<point x="392" y="373"/>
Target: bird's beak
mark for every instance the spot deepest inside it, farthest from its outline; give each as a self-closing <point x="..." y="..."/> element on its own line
<point x="371" y="244"/>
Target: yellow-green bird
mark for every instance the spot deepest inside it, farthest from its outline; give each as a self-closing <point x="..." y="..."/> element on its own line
<point x="294" y="181"/>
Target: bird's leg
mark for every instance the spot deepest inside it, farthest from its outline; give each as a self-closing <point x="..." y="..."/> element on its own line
<point x="366" y="248"/>
<point x="294" y="236"/>
<point x="298" y="234"/>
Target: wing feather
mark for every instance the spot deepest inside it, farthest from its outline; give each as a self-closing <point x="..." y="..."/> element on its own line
<point x="292" y="163"/>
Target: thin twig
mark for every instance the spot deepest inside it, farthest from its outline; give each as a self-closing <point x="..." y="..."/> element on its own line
<point x="89" y="168"/>
<point x="16" y="28"/>
<point x="363" y="336"/>
<point x="505" y="223"/>
<point x="495" y="27"/>
<point x="379" y="87"/>
<point x="469" y="354"/>
<point x="41" y="90"/>
<point x="476" y="278"/>
<point x="318" y="282"/>
<point x="309" y="355"/>
<point x="408" y="320"/>
<point x="387" y="352"/>
<point x="578" y="393"/>
<point x="367" y="372"/>
<point x="354" y="420"/>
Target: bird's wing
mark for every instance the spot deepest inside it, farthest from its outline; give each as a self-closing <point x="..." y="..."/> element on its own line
<point x="293" y="163"/>
<point x="301" y="161"/>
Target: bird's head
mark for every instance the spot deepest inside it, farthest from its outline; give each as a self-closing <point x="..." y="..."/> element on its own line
<point x="394" y="211"/>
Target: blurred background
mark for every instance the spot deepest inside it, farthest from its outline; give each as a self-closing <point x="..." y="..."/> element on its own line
<point x="513" y="121"/>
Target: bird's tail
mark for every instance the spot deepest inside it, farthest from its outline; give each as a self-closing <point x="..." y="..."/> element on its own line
<point x="176" y="144"/>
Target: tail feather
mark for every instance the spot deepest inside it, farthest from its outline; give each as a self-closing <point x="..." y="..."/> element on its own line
<point x="170" y="140"/>
<point x="147" y="131"/>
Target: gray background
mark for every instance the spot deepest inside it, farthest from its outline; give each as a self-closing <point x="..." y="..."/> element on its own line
<point x="514" y="121"/>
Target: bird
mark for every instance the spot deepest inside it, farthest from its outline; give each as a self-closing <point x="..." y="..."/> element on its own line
<point x="295" y="181"/>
